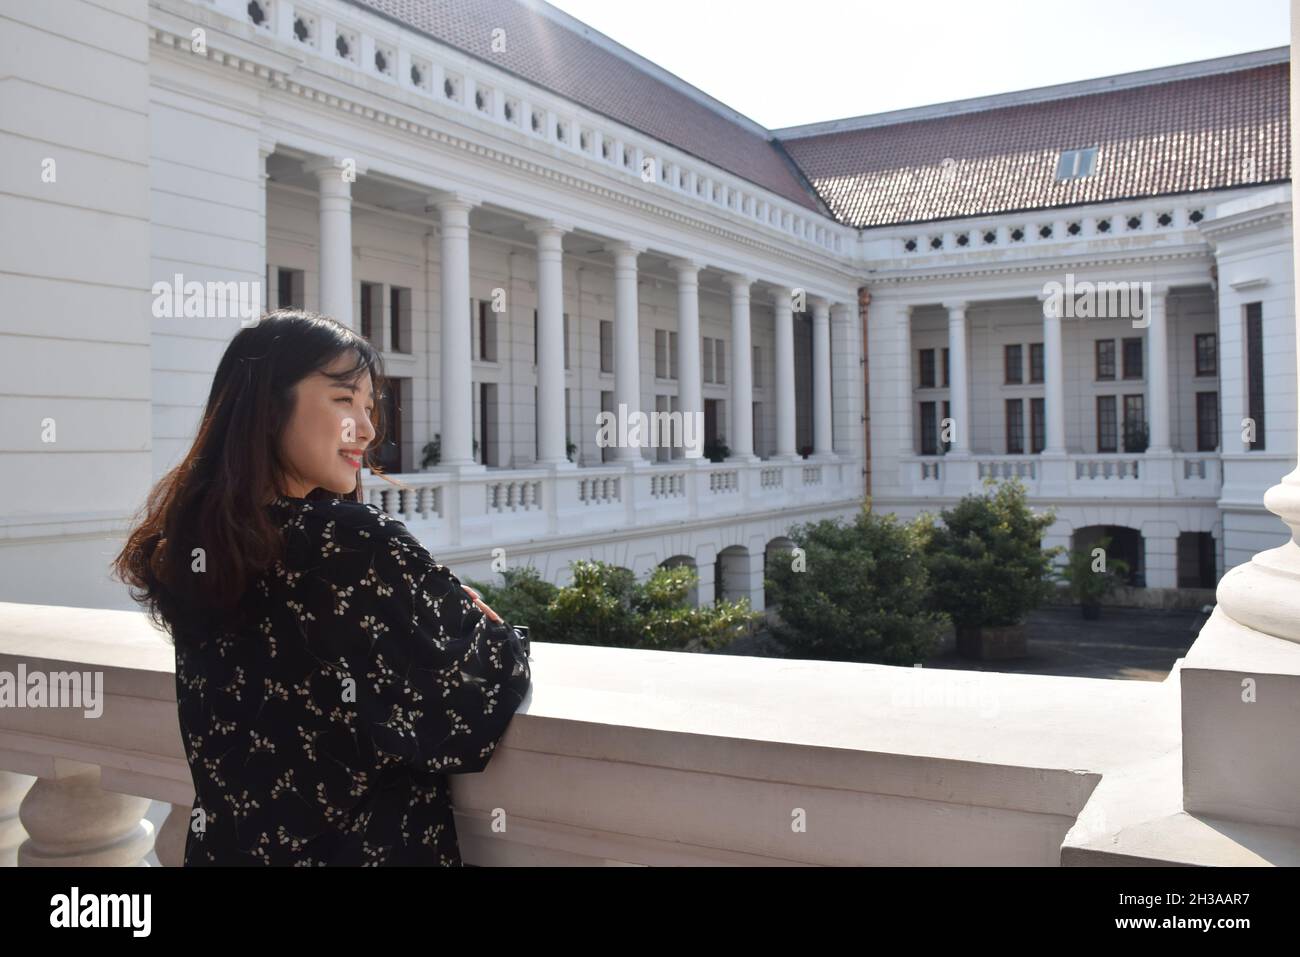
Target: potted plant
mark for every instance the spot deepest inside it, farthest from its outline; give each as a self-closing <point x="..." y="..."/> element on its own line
<point x="988" y="569"/>
<point x="716" y="450"/>
<point x="570" y="448"/>
<point x="1135" y="437"/>
<point x="1089" y="577"/>
<point x="805" y="450"/>
<point x="431" y="454"/>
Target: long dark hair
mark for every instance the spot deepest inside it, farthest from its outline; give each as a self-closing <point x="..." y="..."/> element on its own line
<point x="215" y="497"/>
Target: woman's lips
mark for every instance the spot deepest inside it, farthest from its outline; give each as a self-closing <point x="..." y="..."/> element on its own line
<point x="354" y="461"/>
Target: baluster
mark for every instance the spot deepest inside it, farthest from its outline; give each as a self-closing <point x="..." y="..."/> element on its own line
<point x="72" y="822"/>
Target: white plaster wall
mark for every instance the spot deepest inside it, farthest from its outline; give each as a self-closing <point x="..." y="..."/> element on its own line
<point x="74" y="254"/>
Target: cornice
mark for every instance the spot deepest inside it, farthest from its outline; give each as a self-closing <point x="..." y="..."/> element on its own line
<point x="283" y="74"/>
<point x="1035" y="266"/>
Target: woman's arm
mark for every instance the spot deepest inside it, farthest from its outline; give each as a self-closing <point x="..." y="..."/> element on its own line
<point x="445" y="673"/>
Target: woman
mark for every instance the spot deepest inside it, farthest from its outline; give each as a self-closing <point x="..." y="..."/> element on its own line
<point x="329" y="672"/>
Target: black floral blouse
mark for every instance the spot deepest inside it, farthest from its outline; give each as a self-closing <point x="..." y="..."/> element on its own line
<point x="323" y="732"/>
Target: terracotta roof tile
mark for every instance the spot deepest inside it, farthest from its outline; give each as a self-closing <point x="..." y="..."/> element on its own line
<point x="1183" y="135"/>
<point x="547" y="53"/>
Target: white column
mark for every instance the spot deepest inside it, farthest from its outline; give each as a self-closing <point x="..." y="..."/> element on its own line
<point x="551" y="439"/>
<point x="822" y="440"/>
<point x="1053" y="378"/>
<point x="1158" y="373"/>
<point x="783" y="304"/>
<point x="264" y="150"/>
<point x="846" y="377"/>
<point x="958" y="380"/>
<point x="627" y="351"/>
<point x="335" y="177"/>
<point x="906" y="388"/>
<point x="690" y="390"/>
<point x="455" y="334"/>
<point x="741" y="439"/>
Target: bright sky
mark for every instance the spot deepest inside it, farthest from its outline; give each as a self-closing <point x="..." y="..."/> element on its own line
<point x="788" y="62"/>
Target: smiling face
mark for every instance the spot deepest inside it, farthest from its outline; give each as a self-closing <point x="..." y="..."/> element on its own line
<point x="329" y="429"/>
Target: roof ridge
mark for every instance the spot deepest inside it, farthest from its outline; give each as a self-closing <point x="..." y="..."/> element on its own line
<point x="1155" y="76"/>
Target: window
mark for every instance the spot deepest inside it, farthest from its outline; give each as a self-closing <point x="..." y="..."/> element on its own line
<point x="606" y="346"/>
<point x="1075" y="164"/>
<point x="1037" y="426"/>
<point x="945" y="444"/>
<point x="369" y="292"/>
<point x="1013" y="361"/>
<point x="927" y="368"/>
<point x="1133" y="358"/>
<point x="1035" y="362"/>
<point x="485" y="324"/>
<point x="929" y="432"/>
<point x="566" y="340"/>
<point x="1207" y="354"/>
<point x="1015" y="427"/>
<point x="399" y="318"/>
<point x="757" y="370"/>
<point x="720" y="361"/>
<point x="289" y="288"/>
<point x="946" y="383"/>
<point x="661" y="353"/>
<point x="1105" y="359"/>
<point x="1107" y="437"/>
<point x="1135" y="423"/>
<point x="706" y="360"/>
<point x="1255" y="373"/>
<point x="1207" y="421"/>
<point x="672" y="355"/>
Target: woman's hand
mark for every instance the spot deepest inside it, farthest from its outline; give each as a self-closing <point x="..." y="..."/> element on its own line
<point x="492" y="616"/>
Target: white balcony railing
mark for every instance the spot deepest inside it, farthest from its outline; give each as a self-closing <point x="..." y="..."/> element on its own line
<point x="701" y="765"/>
<point x="538" y="502"/>
<point x="1107" y="467"/>
<point x="1144" y="475"/>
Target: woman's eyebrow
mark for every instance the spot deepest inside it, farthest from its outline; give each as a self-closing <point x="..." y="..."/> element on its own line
<point x="353" y="387"/>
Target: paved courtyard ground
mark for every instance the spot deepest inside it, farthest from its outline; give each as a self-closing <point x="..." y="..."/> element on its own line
<point x="1139" y="644"/>
<point x="1136" y="644"/>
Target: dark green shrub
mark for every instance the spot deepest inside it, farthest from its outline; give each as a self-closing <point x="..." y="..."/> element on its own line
<point x="861" y="593"/>
<point x="986" y="560"/>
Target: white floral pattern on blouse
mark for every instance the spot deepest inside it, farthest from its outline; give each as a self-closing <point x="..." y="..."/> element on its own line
<point x="322" y="733"/>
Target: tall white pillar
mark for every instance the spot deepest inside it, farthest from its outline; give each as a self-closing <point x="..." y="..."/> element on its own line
<point x="690" y="390"/>
<point x="783" y="304"/>
<point x="906" y="387"/>
<point x="1240" y="699"/>
<point x="335" y="178"/>
<point x="822" y="436"/>
<point x="958" y="379"/>
<point x="551" y="438"/>
<point x="455" y="335"/>
<point x="1158" y="373"/>
<point x="741" y="440"/>
<point x="1053" y="378"/>
<point x="264" y="150"/>
<point x="627" y="352"/>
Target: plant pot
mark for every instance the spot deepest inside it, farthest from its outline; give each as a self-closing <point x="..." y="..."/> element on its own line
<point x="1090" y="610"/>
<point x="987" y="643"/>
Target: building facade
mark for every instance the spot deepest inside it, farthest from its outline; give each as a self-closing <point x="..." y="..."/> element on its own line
<point x="1088" y="287"/>
<point x="536" y="226"/>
